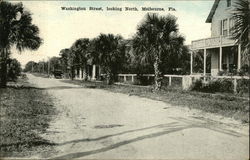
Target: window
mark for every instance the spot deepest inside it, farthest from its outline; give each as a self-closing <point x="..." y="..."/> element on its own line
<point x="228" y="3"/>
<point x="224" y="28"/>
<point x="231" y="25"/>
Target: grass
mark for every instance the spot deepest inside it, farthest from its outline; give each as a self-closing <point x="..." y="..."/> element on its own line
<point x="25" y="113"/>
<point x="222" y="104"/>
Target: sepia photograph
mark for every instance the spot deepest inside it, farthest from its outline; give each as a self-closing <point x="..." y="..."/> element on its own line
<point x="124" y="79"/>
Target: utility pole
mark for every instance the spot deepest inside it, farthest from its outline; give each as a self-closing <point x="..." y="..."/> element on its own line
<point x="43" y="66"/>
<point x="32" y="69"/>
<point x="48" y="66"/>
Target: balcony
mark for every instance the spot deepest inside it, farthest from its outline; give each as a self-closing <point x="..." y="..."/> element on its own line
<point x="212" y="42"/>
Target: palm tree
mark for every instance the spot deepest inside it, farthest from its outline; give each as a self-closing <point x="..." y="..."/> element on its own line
<point x="16" y="29"/>
<point x="177" y="62"/>
<point x="28" y="66"/>
<point x="156" y="37"/>
<point x="109" y="51"/>
<point x="55" y="64"/>
<point x="80" y="49"/>
<point x="67" y="62"/>
<point x="241" y="33"/>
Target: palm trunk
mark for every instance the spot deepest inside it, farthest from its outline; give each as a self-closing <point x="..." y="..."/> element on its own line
<point x="85" y="73"/>
<point x="72" y="73"/>
<point x="109" y="77"/>
<point x="3" y="74"/>
<point x="3" y="68"/>
<point x="158" y="78"/>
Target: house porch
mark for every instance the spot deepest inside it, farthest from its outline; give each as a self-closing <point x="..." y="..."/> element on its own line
<point x="89" y="72"/>
<point x="222" y="53"/>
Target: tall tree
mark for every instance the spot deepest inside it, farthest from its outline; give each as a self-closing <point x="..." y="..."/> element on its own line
<point x="177" y="62"/>
<point x="80" y="50"/>
<point x="16" y="29"/>
<point x="241" y="29"/>
<point x="28" y="66"/>
<point x="67" y="61"/>
<point x="156" y="37"/>
<point x="55" y="64"/>
<point x="64" y="54"/>
<point x="109" y="51"/>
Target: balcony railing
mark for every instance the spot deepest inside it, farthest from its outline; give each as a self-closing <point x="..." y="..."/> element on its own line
<point x="212" y="42"/>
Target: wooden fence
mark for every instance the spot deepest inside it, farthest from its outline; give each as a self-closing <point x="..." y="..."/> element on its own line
<point x="186" y="80"/>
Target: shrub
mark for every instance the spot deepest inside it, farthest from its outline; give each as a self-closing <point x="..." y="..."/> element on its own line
<point x="245" y="70"/>
<point x="222" y="73"/>
<point x="14" y="69"/>
<point x="225" y="85"/>
<point x="144" y="80"/>
<point x="243" y="86"/>
<point x="218" y="85"/>
<point x="197" y="85"/>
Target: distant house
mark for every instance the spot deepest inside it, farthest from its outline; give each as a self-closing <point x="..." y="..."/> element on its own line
<point x="93" y="72"/>
<point x="224" y="52"/>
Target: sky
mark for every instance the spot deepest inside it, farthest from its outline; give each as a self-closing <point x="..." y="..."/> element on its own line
<point x="59" y="28"/>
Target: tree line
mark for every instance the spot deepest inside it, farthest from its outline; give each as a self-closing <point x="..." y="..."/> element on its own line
<point x="157" y="47"/>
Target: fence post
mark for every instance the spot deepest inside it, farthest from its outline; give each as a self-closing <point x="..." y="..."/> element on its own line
<point x="132" y="78"/>
<point x="235" y="85"/>
<point x="186" y="82"/>
<point x="170" y="81"/>
<point x="124" y="78"/>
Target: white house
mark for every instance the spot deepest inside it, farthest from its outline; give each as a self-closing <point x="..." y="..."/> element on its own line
<point x="225" y="53"/>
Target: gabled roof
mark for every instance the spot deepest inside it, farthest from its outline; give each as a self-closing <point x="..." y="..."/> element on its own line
<point x="211" y="14"/>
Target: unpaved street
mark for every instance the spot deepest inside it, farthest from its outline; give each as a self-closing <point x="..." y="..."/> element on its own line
<point x="97" y="124"/>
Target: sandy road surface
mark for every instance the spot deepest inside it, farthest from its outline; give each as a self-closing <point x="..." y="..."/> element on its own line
<point x="94" y="123"/>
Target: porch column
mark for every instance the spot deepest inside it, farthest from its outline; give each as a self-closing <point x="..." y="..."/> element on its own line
<point x="205" y="57"/>
<point x="227" y="55"/>
<point x="80" y="73"/>
<point x="100" y="72"/>
<point x="170" y="81"/>
<point x="239" y="57"/>
<point x="191" y="62"/>
<point x="124" y="78"/>
<point x="85" y="75"/>
<point x="93" y="72"/>
<point x="220" y="59"/>
<point x="76" y="75"/>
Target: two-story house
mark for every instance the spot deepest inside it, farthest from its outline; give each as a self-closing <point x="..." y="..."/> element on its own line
<point x="225" y="53"/>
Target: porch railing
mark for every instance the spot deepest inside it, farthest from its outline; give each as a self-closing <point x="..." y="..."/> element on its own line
<point x="212" y="42"/>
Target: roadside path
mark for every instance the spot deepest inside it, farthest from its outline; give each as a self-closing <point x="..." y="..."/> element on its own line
<point x="97" y="124"/>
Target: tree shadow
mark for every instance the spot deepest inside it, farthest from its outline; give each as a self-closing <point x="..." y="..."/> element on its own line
<point x="209" y="124"/>
<point x="117" y="134"/>
<point x="33" y="143"/>
<point x="44" y="88"/>
<point x="168" y="128"/>
<point x="61" y="88"/>
<point x="48" y="143"/>
<point x="119" y="144"/>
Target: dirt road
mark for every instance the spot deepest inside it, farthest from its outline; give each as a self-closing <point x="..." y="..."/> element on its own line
<point x="97" y="124"/>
